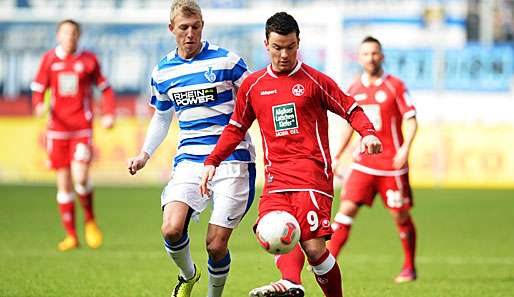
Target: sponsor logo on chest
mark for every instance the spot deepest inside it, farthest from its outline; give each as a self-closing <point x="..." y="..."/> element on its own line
<point x="195" y="97"/>
<point x="268" y="92"/>
<point x="285" y="119"/>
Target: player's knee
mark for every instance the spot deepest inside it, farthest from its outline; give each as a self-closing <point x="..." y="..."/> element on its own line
<point x="171" y="232"/>
<point x="83" y="187"/>
<point x="348" y="208"/>
<point x="216" y="248"/>
<point x="401" y="217"/>
<point x="313" y="253"/>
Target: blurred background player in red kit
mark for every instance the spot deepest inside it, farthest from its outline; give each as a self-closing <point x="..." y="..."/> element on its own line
<point x="70" y="73"/>
<point x="386" y="102"/>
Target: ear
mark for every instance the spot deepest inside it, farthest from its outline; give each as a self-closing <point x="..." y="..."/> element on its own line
<point x="171" y="27"/>
<point x="266" y="44"/>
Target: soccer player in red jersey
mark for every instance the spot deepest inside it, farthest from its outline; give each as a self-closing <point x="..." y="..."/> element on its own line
<point x="70" y="73"/>
<point x="290" y="101"/>
<point x="386" y="102"/>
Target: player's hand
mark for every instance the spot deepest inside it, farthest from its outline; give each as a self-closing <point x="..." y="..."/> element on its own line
<point x="400" y="159"/>
<point x="208" y="174"/>
<point x="137" y="163"/>
<point x="40" y="109"/>
<point x="108" y="121"/>
<point x="371" y="144"/>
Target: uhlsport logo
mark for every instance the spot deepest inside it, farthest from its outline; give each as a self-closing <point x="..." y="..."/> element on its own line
<point x="195" y="97"/>
<point x="285" y="119"/>
<point x="298" y="90"/>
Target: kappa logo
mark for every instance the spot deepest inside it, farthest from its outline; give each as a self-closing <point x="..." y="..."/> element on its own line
<point x="270" y="92"/>
<point x="298" y="90"/>
<point x="210" y="75"/>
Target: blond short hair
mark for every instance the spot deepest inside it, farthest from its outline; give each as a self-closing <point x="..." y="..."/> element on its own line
<point x="185" y="7"/>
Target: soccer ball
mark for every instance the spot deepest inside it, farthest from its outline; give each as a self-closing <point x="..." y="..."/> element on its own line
<point x="278" y="232"/>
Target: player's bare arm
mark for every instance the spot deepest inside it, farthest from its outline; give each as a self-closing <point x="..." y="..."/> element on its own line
<point x="402" y="155"/>
<point x="346" y="136"/>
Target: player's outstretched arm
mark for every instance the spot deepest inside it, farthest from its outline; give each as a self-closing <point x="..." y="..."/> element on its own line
<point x="208" y="174"/>
<point x="137" y="163"/>
<point x="157" y="131"/>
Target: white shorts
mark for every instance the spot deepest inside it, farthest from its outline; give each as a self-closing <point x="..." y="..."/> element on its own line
<point x="232" y="188"/>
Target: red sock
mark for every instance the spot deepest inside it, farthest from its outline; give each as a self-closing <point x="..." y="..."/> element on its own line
<point x="68" y="217"/>
<point x="291" y="265"/>
<point x="328" y="275"/>
<point x="86" y="200"/>
<point x="339" y="238"/>
<point x="408" y="238"/>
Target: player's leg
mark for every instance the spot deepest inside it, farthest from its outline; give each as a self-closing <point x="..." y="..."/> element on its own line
<point x="219" y="258"/>
<point x="358" y="189"/>
<point x="233" y="191"/>
<point x="65" y="200"/>
<point x="175" y="219"/>
<point x="313" y="214"/>
<point x="180" y="200"/>
<point x="58" y="156"/>
<point x="324" y="266"/>
<point x="81" y="158"/>
<point x="290" y="265"/>
<point x="407" y="232"/>
<point x="342" y="225"/>
<point x="397" y="197"/>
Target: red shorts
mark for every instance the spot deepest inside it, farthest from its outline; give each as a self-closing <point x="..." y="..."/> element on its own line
<point x="311" y="210"/>
<point x="62" y="151"/>
<point x="361" y="188"/>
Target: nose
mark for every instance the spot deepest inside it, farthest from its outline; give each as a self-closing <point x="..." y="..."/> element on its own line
<point x="284" y="54"/>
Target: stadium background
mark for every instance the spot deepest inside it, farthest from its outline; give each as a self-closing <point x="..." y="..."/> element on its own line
<point x="456" y="57"/>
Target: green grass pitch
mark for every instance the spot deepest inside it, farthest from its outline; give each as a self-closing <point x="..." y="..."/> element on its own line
<point x="465" y="248"/>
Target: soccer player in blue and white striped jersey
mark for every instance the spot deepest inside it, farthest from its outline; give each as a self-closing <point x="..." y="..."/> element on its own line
<point x="197" y="83"/>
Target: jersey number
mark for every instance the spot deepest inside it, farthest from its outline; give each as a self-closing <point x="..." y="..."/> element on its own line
<point x="394" y="199"/>
<point x="312" y="219"/>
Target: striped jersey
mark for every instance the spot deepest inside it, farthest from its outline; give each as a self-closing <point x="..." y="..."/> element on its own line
<point x="201" y="92"/>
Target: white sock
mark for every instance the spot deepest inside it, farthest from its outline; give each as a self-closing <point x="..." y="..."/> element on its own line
<point x="218" y="273"/>
<point x="179" y="252"/>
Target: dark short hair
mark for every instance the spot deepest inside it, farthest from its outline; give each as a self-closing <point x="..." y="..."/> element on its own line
<point x="68" y="21"/>
<point x="373" y="40"/>
<point x="282" y="23"/>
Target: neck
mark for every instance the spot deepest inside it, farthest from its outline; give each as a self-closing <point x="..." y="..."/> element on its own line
<point x="189" y="55"/>
<point x="376" y="75"/>
<point x="275" y="69"/>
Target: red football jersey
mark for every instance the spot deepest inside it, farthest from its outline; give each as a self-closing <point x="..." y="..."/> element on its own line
<point x="386" y="102"/>
<point x="70" y="78"/>
<point x="291" y="110"/>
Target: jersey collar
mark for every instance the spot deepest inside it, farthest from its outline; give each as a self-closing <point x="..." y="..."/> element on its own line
<point x="174" y="54"/>
<point x="365" y="80"/>
<point x="61" y="54"/>
<point x="274" y="74"/>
